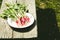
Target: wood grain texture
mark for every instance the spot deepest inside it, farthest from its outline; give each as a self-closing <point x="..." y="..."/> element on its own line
<point x="17" y="34"/>
<point x="32" y="9"/>
<point x="7" y="32"/>
<point x="4" y="7"/>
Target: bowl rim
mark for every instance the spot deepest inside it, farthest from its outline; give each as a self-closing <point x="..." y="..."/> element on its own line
<point x="32" y="21"/>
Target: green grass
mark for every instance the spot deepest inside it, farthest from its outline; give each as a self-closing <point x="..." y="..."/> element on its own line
<point x="58" y="20"/>
<point x="54" y="4"/>
<point x="0" y="3"/>
<point x="58" y="17"/>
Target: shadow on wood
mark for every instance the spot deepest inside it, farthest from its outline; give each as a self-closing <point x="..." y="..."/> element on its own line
<point x="27" y="29"/>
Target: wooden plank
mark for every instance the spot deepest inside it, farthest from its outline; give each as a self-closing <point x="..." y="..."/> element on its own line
<point x="13" y="34"/>
<point x="5" y="30"/>
<point x="32" y="33"/>
<point x="20" y="1"/>
<point x="32" y="10"/>
<point x="18" y="34"/>
<point x="3" y="7"/>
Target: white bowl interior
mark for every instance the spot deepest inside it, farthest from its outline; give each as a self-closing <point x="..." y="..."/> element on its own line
<point x="13" y="24"/>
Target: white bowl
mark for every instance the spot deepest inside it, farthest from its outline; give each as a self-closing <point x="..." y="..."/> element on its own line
<point x="13" y="24"/>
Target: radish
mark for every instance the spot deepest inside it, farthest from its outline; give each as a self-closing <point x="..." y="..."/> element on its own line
<point x="17" y="21"/>
<point x="26" y="18"/>
<point x="23" y="20"/>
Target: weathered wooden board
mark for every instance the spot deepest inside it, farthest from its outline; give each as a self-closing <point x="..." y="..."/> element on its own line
<point x="31" y="7"/>
<point x="7" y="32"/>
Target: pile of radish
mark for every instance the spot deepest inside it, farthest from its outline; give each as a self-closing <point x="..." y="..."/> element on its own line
<point x="17" y="12"/>
<point x="23" y="21"/>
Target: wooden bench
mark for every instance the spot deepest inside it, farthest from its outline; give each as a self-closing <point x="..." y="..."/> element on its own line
<point x="7" y="32"/>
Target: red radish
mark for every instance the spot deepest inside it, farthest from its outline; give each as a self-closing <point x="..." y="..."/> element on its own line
<point x="26" y="18"/>
<point x="22" y="21"/>
<point x="17" y="21"/>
